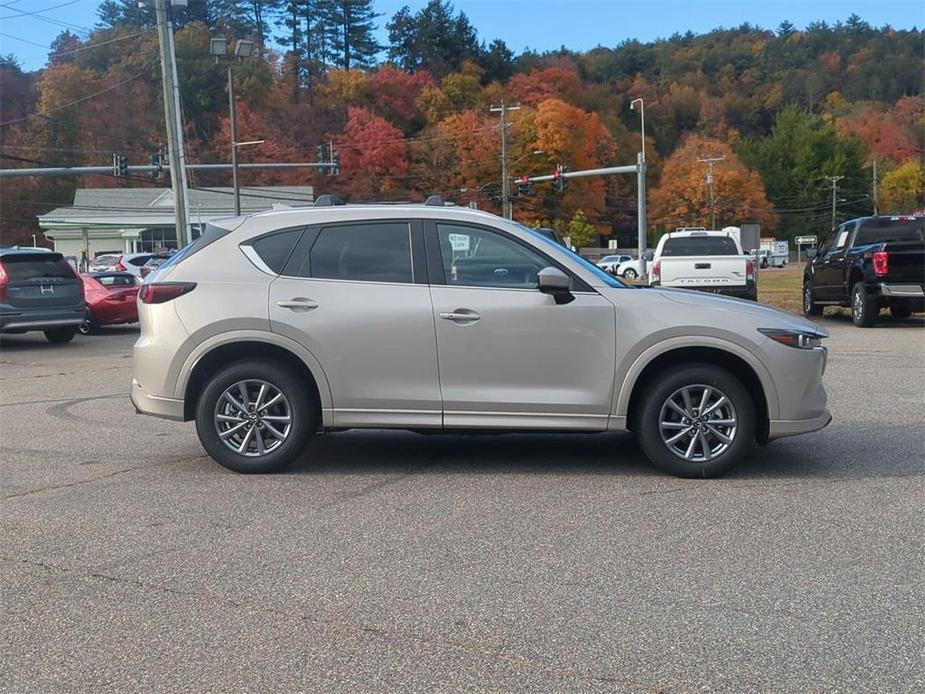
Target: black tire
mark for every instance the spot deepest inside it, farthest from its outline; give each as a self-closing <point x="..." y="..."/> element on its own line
<point x="58" y="336"/>
<point x="900" y="309"/>
<point x="810" y="308"/>
<point x="630" y="274"/>
<point x="648" y="429"/>
<point x="864" y="308"/>
<point x="302" y="411"/>
<point x="89" y="325"/>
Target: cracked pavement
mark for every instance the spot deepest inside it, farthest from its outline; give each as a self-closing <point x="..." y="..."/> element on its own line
<point x="391" y="561"/>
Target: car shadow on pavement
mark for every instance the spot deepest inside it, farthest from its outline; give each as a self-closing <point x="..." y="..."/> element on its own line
<point x="916" y="320"/>
<point x="383" y="451"/>
<point x="824" y="455"/>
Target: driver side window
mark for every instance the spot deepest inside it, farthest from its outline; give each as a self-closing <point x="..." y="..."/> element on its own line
<point x="477" y="257"/>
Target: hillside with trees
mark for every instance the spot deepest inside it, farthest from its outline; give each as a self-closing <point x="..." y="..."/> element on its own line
<point x="785" y="107"/>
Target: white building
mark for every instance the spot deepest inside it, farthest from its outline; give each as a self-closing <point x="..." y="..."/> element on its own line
<point x="133" y="220"/>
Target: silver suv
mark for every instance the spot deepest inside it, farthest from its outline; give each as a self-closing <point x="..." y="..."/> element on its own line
<point x="272" y="328"/>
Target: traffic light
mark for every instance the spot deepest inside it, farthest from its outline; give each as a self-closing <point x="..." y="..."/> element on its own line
<point x="524" y="185"/>
<point x="321" y="152"/>
<point x="559" y="183"/>
<point x="156" y="161"/>
<point x="119" y="165"/>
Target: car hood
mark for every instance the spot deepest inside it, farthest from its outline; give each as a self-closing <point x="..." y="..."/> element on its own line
<point x="770" y="316"/>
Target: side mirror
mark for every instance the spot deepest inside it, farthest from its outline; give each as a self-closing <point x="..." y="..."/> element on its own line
<point x="552" y="281"/>
<point x="811" y="252"/>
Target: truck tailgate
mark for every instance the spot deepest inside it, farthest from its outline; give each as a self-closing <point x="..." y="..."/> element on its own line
<point x="906" y="262"/>
<point x="703" y="271"/>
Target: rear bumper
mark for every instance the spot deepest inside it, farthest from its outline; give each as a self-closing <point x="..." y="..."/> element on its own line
<point x="41" y="320"/>
<point x="155" y="405"/>
<point x="779" y="428"/>
<point x="902" y="291"/>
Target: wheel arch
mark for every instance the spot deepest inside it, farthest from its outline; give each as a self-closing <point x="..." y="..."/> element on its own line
<point x="225" y="349"/>
<point x="728" y="356"/>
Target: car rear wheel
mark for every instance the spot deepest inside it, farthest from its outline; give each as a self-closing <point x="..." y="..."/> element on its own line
<point x="697" y="420"/>
<point x="810" y="307"/>
<point x="864" y="309"/>
<point x="630" y="274"/>
<point x="255" y="416"/>
<point x="59" y="336"/>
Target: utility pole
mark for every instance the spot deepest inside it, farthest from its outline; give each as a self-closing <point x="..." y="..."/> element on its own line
<point x="710" y="163"/>
<point x="172" y="115"/>
<point x="505" y="179"/>
<point x="833" y="180"/>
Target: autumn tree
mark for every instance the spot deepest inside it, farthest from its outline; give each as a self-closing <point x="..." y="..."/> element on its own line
<point x="372" y="155"/>
<point x="902" y="190"/>
<point x="683" y="197"/>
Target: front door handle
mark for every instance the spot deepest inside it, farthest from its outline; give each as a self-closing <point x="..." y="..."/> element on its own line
<point x="461" y="316"/>
<point x="298" y="304"/>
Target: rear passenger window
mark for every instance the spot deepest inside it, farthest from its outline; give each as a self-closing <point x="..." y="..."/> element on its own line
<point x="274" y="249"/>
<point x="379" y="252"/>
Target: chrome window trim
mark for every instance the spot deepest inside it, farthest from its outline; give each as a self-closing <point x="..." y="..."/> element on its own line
<point x="251" y="254"/>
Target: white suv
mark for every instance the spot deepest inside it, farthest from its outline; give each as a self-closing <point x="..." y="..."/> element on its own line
<point x="272" y="328"/>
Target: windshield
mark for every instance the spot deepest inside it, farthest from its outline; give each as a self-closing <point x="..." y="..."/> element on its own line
<point x="890" y="230"/>
<point x="700" y="245"/>
<point x="590" y="267"/>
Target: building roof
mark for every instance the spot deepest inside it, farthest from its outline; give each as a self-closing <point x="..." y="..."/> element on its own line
<point x="154" y="206"/>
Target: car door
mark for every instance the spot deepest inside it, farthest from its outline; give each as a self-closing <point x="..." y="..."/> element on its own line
<point x="353" y="294"/>
<point x="509" y="355"/>
<point x="830" y="265"/>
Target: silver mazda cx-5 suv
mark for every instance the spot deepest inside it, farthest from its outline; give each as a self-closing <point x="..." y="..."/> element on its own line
<point x="272" y="328"/>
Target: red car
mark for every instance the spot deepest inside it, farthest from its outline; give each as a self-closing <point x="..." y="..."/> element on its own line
<point x="110" y="298"/>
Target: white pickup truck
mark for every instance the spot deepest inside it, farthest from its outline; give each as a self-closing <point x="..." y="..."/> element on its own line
<point x="709" y="261"/>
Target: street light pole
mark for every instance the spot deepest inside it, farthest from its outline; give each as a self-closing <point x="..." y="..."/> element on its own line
<point x="234" y="143"/>
<point x="642" y="120"/>
<point x="641" y="234"/>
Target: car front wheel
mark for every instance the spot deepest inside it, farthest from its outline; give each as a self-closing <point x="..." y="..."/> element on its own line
<point x="630" y="274"/>
<point x="697" y="420"/>
<point x="810" y="308"/>
<point x="255" y="416"/>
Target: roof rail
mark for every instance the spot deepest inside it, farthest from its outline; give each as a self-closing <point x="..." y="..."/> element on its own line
<point x="434" y="201"/>
<point x="327" y="201"/>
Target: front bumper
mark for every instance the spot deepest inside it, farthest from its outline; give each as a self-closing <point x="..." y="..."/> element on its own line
<point x="155" y="405"/>
<point x="780" y="428"/>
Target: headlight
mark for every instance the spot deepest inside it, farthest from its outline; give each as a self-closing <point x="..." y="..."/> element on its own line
<point x="794" y="338"/>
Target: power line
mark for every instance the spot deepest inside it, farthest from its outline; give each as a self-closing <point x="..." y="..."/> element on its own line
<point x="37" y="12"/>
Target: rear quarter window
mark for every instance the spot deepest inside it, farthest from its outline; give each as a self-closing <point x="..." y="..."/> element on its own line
<point x="275" y="248"/>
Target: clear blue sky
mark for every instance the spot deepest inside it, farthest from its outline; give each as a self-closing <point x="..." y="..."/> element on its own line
<point x="537" y="24"/>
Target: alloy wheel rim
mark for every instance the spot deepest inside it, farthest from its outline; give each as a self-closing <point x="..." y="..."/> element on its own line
<point x="698" y="423"/>
<point x="253" y="418"/>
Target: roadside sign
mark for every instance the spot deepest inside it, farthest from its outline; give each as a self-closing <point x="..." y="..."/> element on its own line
<point x="613" y="244"/>
<point x="805" y="240"/>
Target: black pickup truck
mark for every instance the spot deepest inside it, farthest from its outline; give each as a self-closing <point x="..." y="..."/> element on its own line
<point x="868" y="264"/>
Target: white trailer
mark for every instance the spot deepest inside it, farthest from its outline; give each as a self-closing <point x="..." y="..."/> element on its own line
<point x="778" y="251"/>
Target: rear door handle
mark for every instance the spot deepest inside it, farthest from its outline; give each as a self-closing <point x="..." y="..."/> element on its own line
<point x="461" y="315"/>
<point x="702" y="266"/>
<point x="298" y="304"/>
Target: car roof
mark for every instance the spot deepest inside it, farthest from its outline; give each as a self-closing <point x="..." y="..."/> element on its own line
<point x="350" y="212"/>
<point x="44" y="252"/>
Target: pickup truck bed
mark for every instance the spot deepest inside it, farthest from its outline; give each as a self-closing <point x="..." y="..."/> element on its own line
<point x="709" y="261"/>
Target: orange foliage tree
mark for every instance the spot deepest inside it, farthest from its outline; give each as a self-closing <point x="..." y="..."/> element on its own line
<point x="683" y="199"/>
<point x="373" y="157"/>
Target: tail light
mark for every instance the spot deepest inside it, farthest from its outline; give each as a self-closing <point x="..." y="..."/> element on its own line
<point x="749" y="270"/>
<point x="655" y="274"/>
<point x="4" y="280"/>
<point x="881" y="263"/>
<point x="158" y="293"/>
<point x="120" y="265"/>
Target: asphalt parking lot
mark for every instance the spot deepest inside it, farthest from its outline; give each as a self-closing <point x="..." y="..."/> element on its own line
<point x="395" y="561"/>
